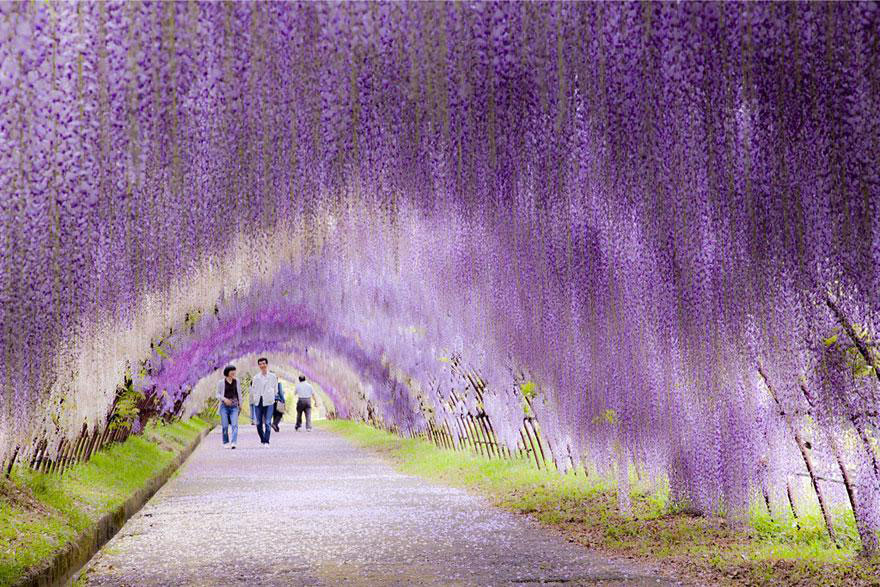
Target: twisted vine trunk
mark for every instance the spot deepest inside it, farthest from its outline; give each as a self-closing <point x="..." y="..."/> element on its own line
<point x="808" y="460"/>
<point x="869" y="541"/>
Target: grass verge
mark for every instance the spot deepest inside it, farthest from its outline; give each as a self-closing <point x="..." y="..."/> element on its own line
<point x="40" y="514"/>
<point x="706" y="550"/>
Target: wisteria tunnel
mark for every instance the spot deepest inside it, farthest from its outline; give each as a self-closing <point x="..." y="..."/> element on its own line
<point x="635" y="241"/>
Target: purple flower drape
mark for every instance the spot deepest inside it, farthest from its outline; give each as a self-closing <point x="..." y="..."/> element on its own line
<point x="634" y="206"/>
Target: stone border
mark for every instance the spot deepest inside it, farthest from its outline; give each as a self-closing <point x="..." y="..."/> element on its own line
<point x="73" y="557"/>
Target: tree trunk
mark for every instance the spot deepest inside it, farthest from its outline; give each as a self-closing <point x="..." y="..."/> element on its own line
<point x="866" y="534"/>
<point x="624" y="503"/>
<point x="808" y="460"/>
<point x="794" y="513"/>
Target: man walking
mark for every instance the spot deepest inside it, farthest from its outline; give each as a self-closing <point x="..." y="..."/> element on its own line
<point x="304" y="394"/>
<point x="263" y="390"/>
<point x="230" y="402"/>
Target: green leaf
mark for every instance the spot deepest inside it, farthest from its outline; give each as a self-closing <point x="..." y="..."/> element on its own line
<point x="608" y="416"/>
<point x="830" y="340"/>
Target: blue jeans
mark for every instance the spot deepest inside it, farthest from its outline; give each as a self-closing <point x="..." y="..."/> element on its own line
<point x="229" y="415"/>
<point x="264" y="421"/>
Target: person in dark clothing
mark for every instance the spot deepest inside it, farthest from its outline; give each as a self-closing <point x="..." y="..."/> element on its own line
<point x="280" y="408"/>
<point x="230" y="403"/>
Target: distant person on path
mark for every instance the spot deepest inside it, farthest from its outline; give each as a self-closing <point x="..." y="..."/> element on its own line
<point x="280" y="408"/>
<point x="263" y="390"/>
<point x="304" y="395"/>
<point x="230" y="403"/>
<point x="253" y="411"/>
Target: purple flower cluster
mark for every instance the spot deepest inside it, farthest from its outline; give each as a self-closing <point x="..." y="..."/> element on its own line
<point x="662" y="215"/>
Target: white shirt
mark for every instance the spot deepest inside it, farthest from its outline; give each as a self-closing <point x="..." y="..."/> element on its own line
<point x="264" y="386"/>
<point x="304" y="390"/>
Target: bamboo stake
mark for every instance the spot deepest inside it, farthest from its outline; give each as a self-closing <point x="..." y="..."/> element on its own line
<point x="481" y="434"/>
<point x="53" y="466"/>
<point x="465" y="436"/>
<point x="531" y="423"/>
<point x="104" y="438"/>
<point x="438" y="435"/>
<point x="69" y="453"/>
<point x="83" y="442"/>
<point x="37" y="459"/>
<point x="44" y="457"/>
<point x="441" y="442"/>
<point x="429" y="434"/>
<point x="443" y="439"/>
<point x="69" y="447"/>
<point x="91" y="446"/>
<point x="472" y="435"/>
<point x="504" y="451"/>
<point x="525" y="428"/>
<point x="449" y="434"/>
<point x="447" y="437"/>
<point x="481" y="430"/>
<point x="70" y="457"/>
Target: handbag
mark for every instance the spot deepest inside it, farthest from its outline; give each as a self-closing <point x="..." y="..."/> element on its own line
<point x="281" y="407"/>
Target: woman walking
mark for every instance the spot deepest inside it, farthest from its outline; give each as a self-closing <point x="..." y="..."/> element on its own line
<point x="230" y="402"/>
<point x="280" y="408"/>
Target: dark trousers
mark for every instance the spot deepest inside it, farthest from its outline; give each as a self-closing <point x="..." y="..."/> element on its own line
<point x="264" y="417"/>
<point x="304" y="405"/>
<point x="276" y="416"/>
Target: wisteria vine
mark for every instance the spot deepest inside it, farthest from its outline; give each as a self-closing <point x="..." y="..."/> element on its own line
<point x="661" y="216"/>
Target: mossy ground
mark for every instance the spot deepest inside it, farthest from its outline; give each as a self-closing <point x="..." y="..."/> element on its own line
<point x="40" y="514"/>
<point x="706" y="550"/>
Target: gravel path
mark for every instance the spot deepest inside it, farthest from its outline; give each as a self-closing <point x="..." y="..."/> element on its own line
<point x="315" y="510"/>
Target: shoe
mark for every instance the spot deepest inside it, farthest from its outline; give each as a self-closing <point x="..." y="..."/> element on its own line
<point x="297" y="428"/>
<point x="265" y="445"/>
<point x="308" y="429"/>
<point x="232" y="445"/>
<point x="225" y="445"/>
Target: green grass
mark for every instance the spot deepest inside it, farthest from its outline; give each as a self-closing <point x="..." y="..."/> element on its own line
<point x="40" y="514"/>
<point x="763" y="551"/>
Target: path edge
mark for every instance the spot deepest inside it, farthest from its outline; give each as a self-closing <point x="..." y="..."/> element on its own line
<point x="75" y="554"/>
